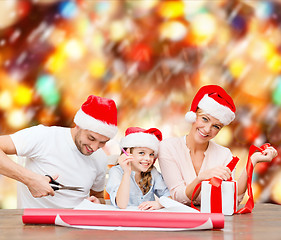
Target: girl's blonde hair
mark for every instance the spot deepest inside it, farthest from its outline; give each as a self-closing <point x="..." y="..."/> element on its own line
<point x="146" y="177"/>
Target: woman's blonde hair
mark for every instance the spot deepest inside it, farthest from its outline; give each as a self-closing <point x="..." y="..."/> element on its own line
<point x="146" y="177"/>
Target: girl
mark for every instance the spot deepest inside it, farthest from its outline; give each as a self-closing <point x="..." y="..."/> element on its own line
<point x="188" y="160"/>
<point x="135" y="180"/>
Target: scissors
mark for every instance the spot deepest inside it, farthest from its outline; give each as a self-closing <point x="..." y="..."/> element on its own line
<point x="59" y="186"/>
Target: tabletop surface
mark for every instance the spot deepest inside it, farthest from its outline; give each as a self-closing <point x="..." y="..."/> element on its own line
<point x="264" y="223"/>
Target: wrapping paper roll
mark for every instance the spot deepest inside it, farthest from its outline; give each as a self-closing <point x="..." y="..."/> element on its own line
<point x="123" y="218"/>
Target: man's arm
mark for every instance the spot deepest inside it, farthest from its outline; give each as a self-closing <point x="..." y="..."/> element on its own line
<point x="99" y="195"/>
<point x="38" y="185"/>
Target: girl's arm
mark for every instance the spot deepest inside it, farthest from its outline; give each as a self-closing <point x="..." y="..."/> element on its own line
<point x="266" y="156"/>
<point x="123" y="192"/>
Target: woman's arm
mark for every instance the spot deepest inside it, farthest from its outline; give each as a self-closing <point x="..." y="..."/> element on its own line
<point x="266" y="156"/>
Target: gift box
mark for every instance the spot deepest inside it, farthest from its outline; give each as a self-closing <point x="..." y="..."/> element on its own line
<point x="222" y="198"/>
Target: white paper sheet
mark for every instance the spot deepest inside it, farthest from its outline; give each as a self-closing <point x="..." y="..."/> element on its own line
<point x="168" y="204"/>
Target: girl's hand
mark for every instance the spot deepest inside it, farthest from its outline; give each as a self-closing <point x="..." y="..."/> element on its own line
<point x="265" y="156"/>
<point x="125" y="161"/>
<point x="93" y="199"/>
<point x="150" y="205"/>
<point x="221" y="172"/>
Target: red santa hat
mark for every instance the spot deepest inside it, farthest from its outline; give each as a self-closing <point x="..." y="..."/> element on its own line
<point x="213" y="100"/>
<point x="98" y="115"/>
<point x="139" y="137"/>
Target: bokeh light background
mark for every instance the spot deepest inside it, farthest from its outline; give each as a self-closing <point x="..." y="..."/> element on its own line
<point x="151" y="57"/>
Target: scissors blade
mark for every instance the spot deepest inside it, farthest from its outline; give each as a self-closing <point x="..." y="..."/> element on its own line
<point x="80" y="189"/>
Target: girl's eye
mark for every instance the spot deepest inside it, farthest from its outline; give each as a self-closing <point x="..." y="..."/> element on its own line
<point x="141" y="153"/>
<point x="152" y="154"/>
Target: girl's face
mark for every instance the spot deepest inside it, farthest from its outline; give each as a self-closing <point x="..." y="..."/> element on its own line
<point x="143" y="159"/>
<point x="205" y="127"/>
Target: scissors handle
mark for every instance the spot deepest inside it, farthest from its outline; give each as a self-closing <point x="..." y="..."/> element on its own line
<point x="61" y="186"/>
<point x="55" y="188"/>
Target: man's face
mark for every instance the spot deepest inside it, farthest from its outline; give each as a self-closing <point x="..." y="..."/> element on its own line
<point x="88" y="141"/>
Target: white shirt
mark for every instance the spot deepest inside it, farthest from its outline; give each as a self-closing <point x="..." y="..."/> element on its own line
<point x="51" y="150"/>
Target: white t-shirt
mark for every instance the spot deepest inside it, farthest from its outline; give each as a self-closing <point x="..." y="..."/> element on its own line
<point x="51" y="150"/>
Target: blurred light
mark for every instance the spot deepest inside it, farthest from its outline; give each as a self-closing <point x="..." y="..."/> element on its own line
<point x="171" y="9"/>
<point x="203" y="28"/>
<point x="74" y="49"/>
<point x="192" y="8"/>
<point x="45" y="1"/>
<point x="8" y="13"/>
<point x="56" y="61"/>
<point x="6" y="100"/>
<point x="264" y="10"/>
<point x="9" y="202"/>
<point x="224" y="137"/>
<point x="46" y="117"/>
<point x="236" y="67"/>
<point x="98" y="41"/>
<point x="276" y="95"/>
<point x="274" y="63"/>
<point x="276" y="190"/>
<point x="97" y="68"/>
<point x="23" y="95"/>
<point x="257" y="189"/>
<point x="141" y="8"/>
<point x="57" y="37"/>
<point x="46" y="88"/>
<point x="173" y="30"/>
<point x="117" y="31"/>
<point x="102" y="7"/>
<point x="140" y="52"/>
<point x="239" y="23"/>
<point x="68" y="9"/>
<point x="17" y="118"/>
<point x="261" y="49"/>
<point x="261" y="168"/>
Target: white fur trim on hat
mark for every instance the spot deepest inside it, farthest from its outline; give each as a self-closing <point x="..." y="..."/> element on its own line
<point x="212" y="107"/>
<point x="190" y="116"/>
<point x="140" y="139"/>
<point x="85" y="121"/>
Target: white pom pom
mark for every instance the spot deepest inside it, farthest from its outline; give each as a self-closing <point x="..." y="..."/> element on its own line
<point x="190" y="116"/>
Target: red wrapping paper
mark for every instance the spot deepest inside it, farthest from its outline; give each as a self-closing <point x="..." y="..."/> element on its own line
<point x="122" y="218"/>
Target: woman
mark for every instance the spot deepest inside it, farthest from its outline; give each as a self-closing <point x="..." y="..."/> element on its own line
<point x="188" y="160"/>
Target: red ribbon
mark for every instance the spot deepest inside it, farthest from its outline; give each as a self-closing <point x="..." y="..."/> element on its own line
<point x="216" y="199"/>
<point x="249" y="168"/>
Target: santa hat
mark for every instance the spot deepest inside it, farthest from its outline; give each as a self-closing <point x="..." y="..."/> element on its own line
<point x="98" y="115"/>
<point x="139" y="137"/>
<point x="213" y="100"/>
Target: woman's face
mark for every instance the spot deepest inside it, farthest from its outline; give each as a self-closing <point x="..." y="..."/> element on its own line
<point x="205" y="127"/>
<point x="143" y="159"/>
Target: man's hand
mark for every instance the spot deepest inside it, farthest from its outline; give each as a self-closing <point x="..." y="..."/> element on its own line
<point x="94" y="199"/>
<point x="39" y="186"/>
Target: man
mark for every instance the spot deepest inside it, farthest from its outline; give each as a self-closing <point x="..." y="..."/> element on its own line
<point x="73" y="156"/>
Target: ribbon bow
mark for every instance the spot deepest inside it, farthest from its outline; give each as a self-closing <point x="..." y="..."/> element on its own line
<point x="216" y="184"/>
<point x="249" y="168"/>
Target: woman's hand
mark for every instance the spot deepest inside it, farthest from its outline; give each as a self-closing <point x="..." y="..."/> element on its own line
<point x="221" y="172"/>
<point x="150" y="205"/>
<point x="125" y="161"/>
<point x="265" y="156"/>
